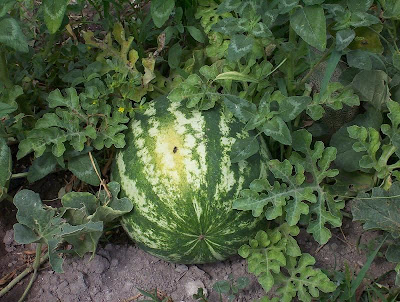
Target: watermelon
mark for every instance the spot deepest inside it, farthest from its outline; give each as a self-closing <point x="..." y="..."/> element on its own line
<point x="177" y="171"/>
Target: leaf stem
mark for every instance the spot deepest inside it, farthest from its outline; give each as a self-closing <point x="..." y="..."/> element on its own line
<point x="21" y="276"/>
<point x="36" y="265"/>
<point x="19" y="175"/>
<point x="4" y="77"/>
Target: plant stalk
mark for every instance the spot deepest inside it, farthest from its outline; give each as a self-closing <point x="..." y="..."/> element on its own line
<point x="36" y="265"/>
<point x="21" y="276"/>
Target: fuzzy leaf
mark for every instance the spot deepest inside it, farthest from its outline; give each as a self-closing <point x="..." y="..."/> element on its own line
<point x="291" y="107"/>
<point x="82" y="167"/>
<point x="6" y="6"/>
<point x="243" y="110"/>
<point x="12" y="36"/>
<point x="161" y="10"/>
<point x="41" y="167"/>
<point x="379" y="210"/>
<point x="344" y="38"/>
<point x="244" y="148"/>
<point x="54" y="11"/>
<point x="278" y="130"/>
<point x="240" y="46"/>
<point x="372" y="87"/>
<point x="310" y="24"/>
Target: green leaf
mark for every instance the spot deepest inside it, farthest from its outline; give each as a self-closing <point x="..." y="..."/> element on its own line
<point x="278" y="130"/>
<point x="54" y="11"/>
<point x="24" y="235"/>
<point x="6" y="6"/>
<point x="317" y="162"/>
<point x="359" y="59"/>
<point x="303" y="280"/>
<point x="240" y="46"/>
<point x="42" y="166"/>
<point x="359" y="6"/>
<point x="12" y="36"/>
<point x="196" y="33"/>
<point x="291" y="107"/>
<point x="71" y="100"/>
<point x="396" y="60"/>
<point x="286" y="6"/>
<point x="236" y="76"/>
<point x="243" y="110"/>
<point x="5" y="164"/>
<point x="310" y="24"/>
<point x="161" y="10"/>
<point x="348" y="159"/>
<point x="222" y="287"/>
<point x="174" y="56"/>
<point x="81" y="166"/>
<point x="344" y="38"/>
<point x="289" y="195"/>
<point x="391" y="9"/>
<point x="379" y="210"/>
<point x="244" y="148"/>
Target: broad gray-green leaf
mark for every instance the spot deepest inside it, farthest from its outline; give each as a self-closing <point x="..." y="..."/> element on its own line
<point x="278" y="130"/>
<point x="196" y="33"/>
<point x="54" y="11"/>
<point x="359" y="6"/>
<point x="240" y="46"/>
<point x="81" y="166"/>
<point x="161" y="10"/>
<point x="236" y="76"/>
<point x="30" y="210"/>
<point x="41" y="167"/>
<point x="228" y="6"/>
<point x="310" y="24"/>
<point x="393" y="253"/>
<point x="24" y="235"/>
<point x="344" y="38"/>
<point x="241" y="109"/>
<point x="244" y="148"/>
<point x="286" y="6"/>
<point x="372" y="87"/>
<point x="291" y="107"/>
<point x="5" y="6"/>
<point x="379" y="210"/>
<point x="12" y="36"/>
<point x="70" y="100"/>
<point x="391" y="9"/>
<point x="174" y="55"/>
<point x="359" y="59"/>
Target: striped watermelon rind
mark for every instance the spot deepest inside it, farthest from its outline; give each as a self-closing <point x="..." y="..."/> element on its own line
<point x="176" y="169"/>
